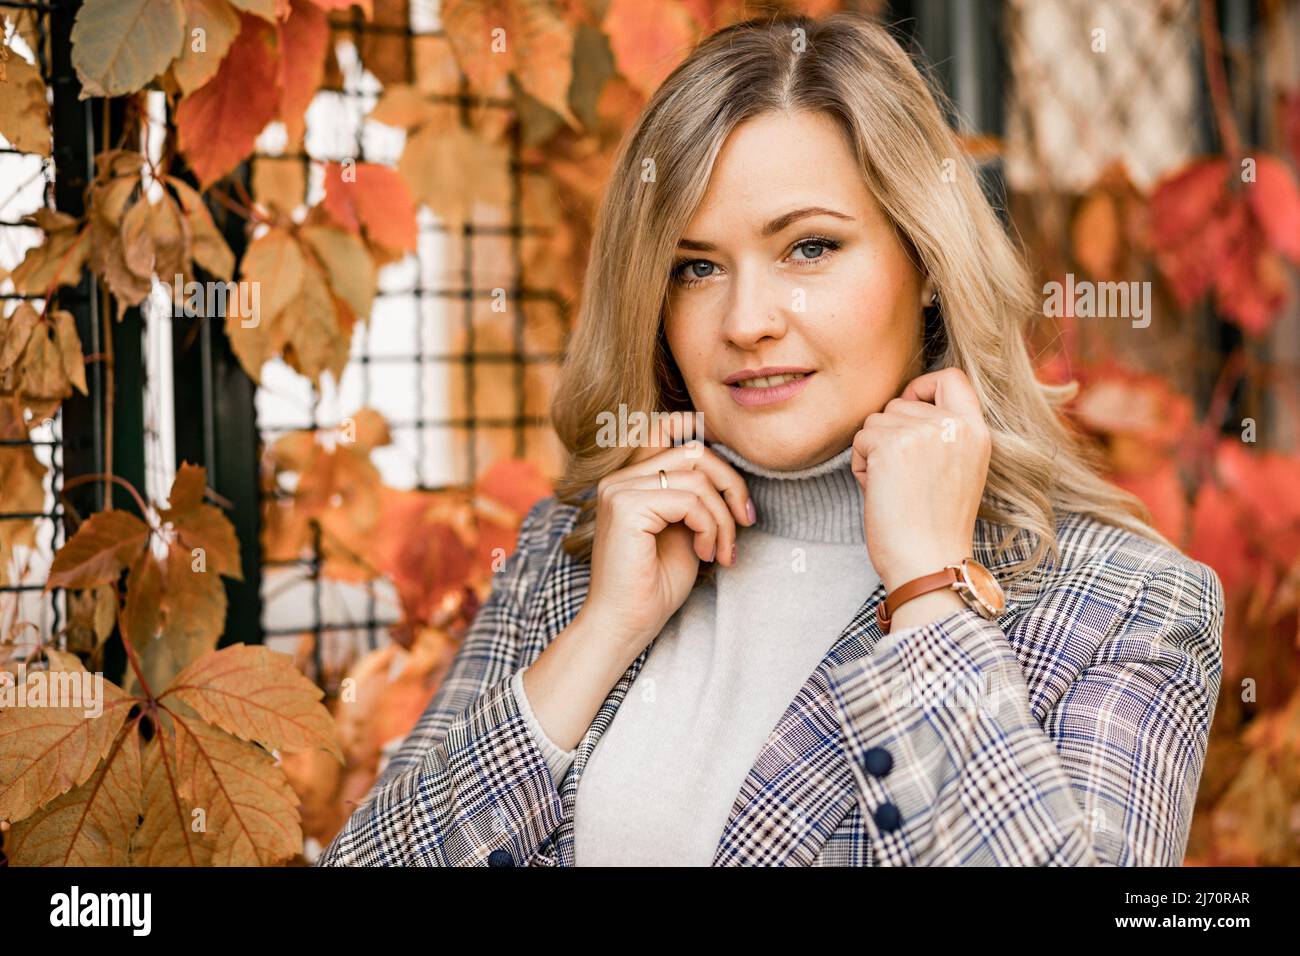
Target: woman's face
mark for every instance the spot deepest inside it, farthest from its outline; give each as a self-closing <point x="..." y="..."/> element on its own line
<point x="790" y="264"/>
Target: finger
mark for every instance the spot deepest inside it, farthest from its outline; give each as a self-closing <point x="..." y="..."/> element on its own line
<point x="915" y="409"/>
<point x="698" y="484"/>
<point x="696" y="457"/>
<point x="946" y="388"/>
<point x="664" y="506"/>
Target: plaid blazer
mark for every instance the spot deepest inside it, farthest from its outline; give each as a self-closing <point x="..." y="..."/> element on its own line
<point x="1071" y="731"/>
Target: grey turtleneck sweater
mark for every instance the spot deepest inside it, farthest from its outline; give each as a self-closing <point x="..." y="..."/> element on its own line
<point x="661" y="781"/>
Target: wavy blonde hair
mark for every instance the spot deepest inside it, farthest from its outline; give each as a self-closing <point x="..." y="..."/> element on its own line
<point x="852" y="69"/>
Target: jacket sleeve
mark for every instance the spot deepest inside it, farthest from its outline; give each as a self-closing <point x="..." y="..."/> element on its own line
<point x="469" y="784"/>
<point x="954" y="767"/>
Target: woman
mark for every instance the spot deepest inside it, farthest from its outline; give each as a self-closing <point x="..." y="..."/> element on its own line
<point x="883" y="611"/>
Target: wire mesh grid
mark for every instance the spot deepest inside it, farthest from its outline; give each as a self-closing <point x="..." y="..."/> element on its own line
<point x="460" y="384"/>
<point x="30" y="536"/>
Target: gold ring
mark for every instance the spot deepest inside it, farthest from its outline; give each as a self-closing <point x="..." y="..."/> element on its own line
<point x="663" y="479"/>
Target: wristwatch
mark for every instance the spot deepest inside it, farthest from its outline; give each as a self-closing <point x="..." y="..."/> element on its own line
<point x="971" y="580"/>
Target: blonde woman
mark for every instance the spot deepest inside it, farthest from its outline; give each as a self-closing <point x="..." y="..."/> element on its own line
<point x="883" y="611"/>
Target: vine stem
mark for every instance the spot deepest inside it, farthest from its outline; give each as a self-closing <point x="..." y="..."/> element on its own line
<point x="111" y="479"/>
<point x="1212" y="47"/>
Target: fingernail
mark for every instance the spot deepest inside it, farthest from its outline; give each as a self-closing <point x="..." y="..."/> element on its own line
<point x="714" y="555"/>
<point x="749" y="510"/>
<point x="733" y="552"/>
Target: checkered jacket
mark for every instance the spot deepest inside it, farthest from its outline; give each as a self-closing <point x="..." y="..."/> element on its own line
<point x="1070" y="731"/>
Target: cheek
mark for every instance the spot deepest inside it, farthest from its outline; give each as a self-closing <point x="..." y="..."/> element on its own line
<point x="863" y="315"/>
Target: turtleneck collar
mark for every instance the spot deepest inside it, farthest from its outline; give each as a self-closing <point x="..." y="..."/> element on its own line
<point x="822" y="502"/>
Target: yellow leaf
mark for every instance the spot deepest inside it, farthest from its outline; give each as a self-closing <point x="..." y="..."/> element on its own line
<point x="58" y="261"/>
<point x="454" y="170"/>
<point x="258" y="695"/>
<point x="279" y="182"/>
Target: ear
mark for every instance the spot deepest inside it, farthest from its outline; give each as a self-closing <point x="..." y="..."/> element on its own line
<point x="928" y="291"/>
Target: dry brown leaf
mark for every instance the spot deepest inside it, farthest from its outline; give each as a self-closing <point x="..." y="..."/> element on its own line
<point x="24" y="109"/>
<point x="257" y="695"/>
<point x="91" y="824"/>
<point x="47" y="750"/>
<point x="105" y="544"/>
<point x="219" y="25"/>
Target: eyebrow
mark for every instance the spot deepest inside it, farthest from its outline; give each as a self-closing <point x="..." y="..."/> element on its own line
<point x="772" y="228"/>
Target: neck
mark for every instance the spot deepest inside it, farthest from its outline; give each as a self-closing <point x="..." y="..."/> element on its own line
<point x="822" y="502"/>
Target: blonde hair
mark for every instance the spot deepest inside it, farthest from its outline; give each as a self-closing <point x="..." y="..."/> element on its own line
<point x="850" y="68"/>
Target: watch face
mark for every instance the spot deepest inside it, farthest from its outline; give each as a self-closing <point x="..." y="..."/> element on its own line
<point x="985" y="586"/>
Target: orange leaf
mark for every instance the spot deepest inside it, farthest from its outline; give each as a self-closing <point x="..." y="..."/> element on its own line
<point x="258" y="695"/>
<point x="304" y="37"/>
<point x="48" y="749"/>
<point x="105" y="543"/>
<point x="91" y="824"/>
<point x="374" y="198"/>
<point x="648" y="41"/>
<point x="218" y="123"/>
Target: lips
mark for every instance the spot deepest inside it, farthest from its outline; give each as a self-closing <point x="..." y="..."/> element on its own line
<point x="768" y="389"/>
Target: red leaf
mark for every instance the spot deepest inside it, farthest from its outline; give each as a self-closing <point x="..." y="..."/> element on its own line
<point x="374" y="198"/>
<point x="218" y="123"/>
<point x="1275" y="201"/>
<point x="304" y="41"/>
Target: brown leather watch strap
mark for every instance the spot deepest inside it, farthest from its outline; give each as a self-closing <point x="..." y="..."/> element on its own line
<point x="913" y="588"/>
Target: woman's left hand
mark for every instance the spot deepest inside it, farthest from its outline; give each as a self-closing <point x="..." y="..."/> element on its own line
<point x="922" y="463"/>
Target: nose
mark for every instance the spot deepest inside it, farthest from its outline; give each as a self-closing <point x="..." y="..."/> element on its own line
<point x="755" y="309"/>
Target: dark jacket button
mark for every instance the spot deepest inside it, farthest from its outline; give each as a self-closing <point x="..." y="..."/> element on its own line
<point x="500" y="858"/>
<point x="878" y="761"/>
<point x="887" y="817"/>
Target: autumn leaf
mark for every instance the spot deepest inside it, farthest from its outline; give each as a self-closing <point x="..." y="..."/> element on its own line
<point x="118" y="46"/>
<point x="22" y="477"/>
<point x="348" y="264"/>
<point x="648" y="41"/>
<point x="454" y="170"/>
<point x="208" y="248"/>
<point x="91" y="824"/>
<point x="217" y="25"/>
<point x="275" y="262"/>
<point x="218" y="123"/>
<point x="167" y="836"/>
<point x="142" y="610"/>
<point x="304" y="38"/>
<point x="529" y="38"/>
<point x="105" y="544"/>
<point x="373" y="199"/>
<point x="121" y="248"/>
<point x="318" y="339"/>
<point x="24" y="109"/>
<point x="1206" y="234"/>
<point x="58" y="260"/>
<point x="257" y="695"/>
<point x="47" y="750"/>
<point x="250" y="810"/>
<point x="199" y="525"/>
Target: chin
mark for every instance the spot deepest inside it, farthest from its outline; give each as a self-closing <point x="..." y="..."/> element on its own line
<point x="784" y="449"/>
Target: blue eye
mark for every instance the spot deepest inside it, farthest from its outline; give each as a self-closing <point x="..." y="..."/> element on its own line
<point x="827" y="247"/>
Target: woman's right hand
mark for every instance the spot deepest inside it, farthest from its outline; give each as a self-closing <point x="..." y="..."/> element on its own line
<point x="649" y="541"/>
